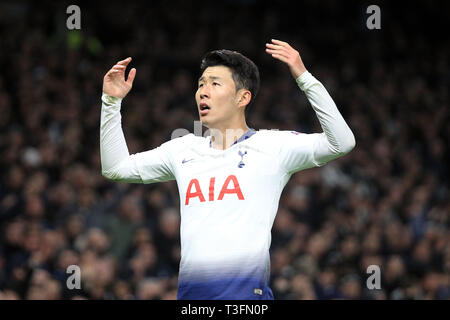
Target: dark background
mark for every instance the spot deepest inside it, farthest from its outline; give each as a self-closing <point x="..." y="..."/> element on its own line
<point x="385" y="203"/>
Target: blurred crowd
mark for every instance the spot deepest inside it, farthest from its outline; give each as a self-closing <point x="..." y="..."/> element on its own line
<point x="384" y="204"/>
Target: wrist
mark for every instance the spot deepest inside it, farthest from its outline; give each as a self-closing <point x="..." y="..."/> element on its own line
<point x="298" y="71"/>
<point x="109" y="100"/>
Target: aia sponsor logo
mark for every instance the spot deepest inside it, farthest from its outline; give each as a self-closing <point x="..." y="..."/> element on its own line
<point x="230" y="188"/>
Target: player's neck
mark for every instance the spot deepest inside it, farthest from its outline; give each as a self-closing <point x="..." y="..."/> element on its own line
<point x="222" y="137"/>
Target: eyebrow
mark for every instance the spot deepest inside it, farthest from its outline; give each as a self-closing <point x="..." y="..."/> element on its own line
<point x="210" y="77"/>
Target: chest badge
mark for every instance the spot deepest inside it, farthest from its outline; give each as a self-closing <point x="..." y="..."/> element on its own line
<point x="242" y="154"/>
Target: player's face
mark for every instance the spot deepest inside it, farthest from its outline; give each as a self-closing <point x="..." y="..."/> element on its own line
<point x="216" y="97"/>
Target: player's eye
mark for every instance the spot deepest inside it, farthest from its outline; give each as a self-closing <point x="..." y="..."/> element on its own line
<point x="216" y="83"/>
<point x="200" y="85"/>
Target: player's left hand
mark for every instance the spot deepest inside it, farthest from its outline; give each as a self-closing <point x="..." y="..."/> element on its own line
<point x="284" y="52"/>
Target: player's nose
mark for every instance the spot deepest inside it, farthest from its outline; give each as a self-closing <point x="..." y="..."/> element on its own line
<point x="203" y="92"/>
<point x="204" y="95"/>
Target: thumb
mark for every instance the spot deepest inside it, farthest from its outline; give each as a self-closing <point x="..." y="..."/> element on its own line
<point x="131" y="76"/>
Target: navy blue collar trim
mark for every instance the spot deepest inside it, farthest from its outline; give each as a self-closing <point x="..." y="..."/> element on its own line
<point x="245" y="136"/>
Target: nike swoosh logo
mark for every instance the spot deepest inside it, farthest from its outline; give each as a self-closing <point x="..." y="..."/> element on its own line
<point x="184" y="160"/>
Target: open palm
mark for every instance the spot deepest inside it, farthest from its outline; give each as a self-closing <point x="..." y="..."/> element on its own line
<point x="114" y="83"/>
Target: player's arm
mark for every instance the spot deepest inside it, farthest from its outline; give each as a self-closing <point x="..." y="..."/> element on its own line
<point x="117" y="163"/>
<point x="336" y="139"/>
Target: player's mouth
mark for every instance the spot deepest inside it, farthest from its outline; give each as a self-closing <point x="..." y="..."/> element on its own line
<point x="204" y="109"/>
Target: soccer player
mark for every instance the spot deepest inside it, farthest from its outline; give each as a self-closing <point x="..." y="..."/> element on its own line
<point x="229" y="182"/>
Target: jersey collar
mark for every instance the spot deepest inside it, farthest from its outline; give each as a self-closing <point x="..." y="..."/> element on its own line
<point x="245" y="136"/>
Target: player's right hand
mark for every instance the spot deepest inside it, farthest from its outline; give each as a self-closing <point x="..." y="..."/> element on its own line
<point x="114" y="83"/>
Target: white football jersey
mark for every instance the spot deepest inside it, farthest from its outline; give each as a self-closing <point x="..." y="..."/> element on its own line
<point x="228" y="201"/>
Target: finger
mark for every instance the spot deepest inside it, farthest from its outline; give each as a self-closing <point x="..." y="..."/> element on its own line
<point x="111" y="72"/>
<point x="280" y="57"/>
<point x="278" y="48"/>
<point x="281" y="43"/>
<point x="116" y="70"/>
<point x="131" y="76"/>
<point x="125" y="61"/>
<point x="274" y="46"/>
<point x="284" y="51"/>
<point x="278" y="52"/>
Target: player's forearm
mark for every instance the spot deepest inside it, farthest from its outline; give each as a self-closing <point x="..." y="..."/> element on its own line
<point x="339" y="138"/>
<point x="117" y="164"/>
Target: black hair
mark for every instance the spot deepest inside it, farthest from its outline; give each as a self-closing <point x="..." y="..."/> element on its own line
<point x="244" y="71"/>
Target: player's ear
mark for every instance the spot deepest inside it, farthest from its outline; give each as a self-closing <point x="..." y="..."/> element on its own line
<point x="243" y="97"/>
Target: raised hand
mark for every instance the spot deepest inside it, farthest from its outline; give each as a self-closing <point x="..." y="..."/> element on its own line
<point x="284" y="52"/>
<point x="114" y="83"/>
